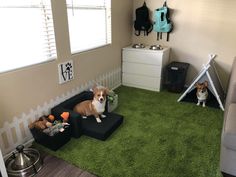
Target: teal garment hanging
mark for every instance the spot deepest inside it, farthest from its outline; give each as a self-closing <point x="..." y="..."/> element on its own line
<point x="162" y="21"/>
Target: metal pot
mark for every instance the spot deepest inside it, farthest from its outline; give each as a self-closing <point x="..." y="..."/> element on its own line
<point x="23" y="162"/>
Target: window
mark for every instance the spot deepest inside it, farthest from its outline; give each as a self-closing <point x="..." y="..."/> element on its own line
<point x="26" y="33"/>
<point x="89" y="24"/>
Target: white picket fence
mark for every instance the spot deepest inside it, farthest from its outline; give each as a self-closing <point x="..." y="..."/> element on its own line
<point x="17" y="132"/>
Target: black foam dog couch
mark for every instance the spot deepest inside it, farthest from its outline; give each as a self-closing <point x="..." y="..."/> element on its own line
<point x="89" y="126"/>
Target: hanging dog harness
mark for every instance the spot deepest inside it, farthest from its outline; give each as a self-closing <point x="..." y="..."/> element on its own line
<point x="162" y="21"/>
<point x="142" y="22"/>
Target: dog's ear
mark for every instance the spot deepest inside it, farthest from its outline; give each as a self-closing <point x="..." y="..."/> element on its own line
<point x="197" y="85"/>
<point x="31" y="125"/>
<point x="94" y="88"/>
<point x="206" y="84"/>
<point x="107" y="90"/>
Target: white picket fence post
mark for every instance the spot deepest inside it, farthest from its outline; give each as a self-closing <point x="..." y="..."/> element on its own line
<point x="2" y="166"/>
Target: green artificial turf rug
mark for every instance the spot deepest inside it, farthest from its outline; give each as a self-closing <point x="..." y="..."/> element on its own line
<point x="158" y="138"/>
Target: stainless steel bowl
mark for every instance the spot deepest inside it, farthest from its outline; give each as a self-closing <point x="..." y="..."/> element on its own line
<point x="137" y="46"/>
<point x="23" y="162"/>
<point x="156" y="47"/>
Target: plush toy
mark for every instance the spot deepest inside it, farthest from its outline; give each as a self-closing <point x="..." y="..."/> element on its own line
<point x="56" y="128"/>
<point x="65" y="116"/>
<point x="51" y="117"/>
<point x="49" y="125"/>
<point x="41" y="124"/>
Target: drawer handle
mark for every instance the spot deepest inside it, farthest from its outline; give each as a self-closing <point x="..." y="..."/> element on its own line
<point x="174" y="68"/>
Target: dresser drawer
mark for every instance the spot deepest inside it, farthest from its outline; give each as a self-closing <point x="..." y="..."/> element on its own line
<point x="141" y="69"/>
<point x="139" y="81"/>
<point x="138" y="56"/>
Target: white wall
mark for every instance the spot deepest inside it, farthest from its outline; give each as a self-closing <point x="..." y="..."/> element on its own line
<point x="200" y="27"/>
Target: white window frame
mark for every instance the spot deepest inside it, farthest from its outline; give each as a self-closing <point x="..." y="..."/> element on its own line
<point x="74" y="6"/>
<point x="46" y="48"/>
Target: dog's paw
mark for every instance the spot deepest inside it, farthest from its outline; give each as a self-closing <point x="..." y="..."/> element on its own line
<point x="198" y="104"/>
<point x="84" y="117"/>
<point x="98" y="120"/>
<point x="103" y="116"/>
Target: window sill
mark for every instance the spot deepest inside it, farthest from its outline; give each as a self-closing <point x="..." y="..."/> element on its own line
<point x="26" y="66"/>
<point x="89" y="49"/>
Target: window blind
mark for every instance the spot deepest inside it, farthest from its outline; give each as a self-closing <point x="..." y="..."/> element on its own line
<point x="89" y="24"/>
<point x="49" y="35"/>
<point x="26" y="33"/>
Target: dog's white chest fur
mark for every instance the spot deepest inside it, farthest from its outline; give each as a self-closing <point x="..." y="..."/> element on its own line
<point x="100" y="107"/>
<point x="201" y="96"/>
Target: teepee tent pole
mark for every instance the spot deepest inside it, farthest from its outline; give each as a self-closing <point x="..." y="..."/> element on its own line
<point x="215" y="91"/>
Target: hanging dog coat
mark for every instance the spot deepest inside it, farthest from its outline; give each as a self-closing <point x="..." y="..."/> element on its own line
<point x="142" y="22"/>
<point x="162" y="22"/>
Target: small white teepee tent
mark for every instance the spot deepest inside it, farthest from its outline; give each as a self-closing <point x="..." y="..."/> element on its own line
<point x="208" y="73"/>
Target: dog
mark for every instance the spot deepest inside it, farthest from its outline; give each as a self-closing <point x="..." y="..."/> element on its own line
<point x="94" y="107"/>
<point x="202" y="93"/>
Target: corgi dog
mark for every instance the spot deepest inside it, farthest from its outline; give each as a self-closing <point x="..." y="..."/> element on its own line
<point x="202" y="93"/>
<point x="94" y="107"/>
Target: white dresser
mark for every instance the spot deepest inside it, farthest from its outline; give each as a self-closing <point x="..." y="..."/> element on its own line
<point x="143" y="68"/>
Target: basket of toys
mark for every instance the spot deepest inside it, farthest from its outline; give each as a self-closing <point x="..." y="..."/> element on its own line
<point x="50" y="132"/>
<point x="112" y="101"/>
